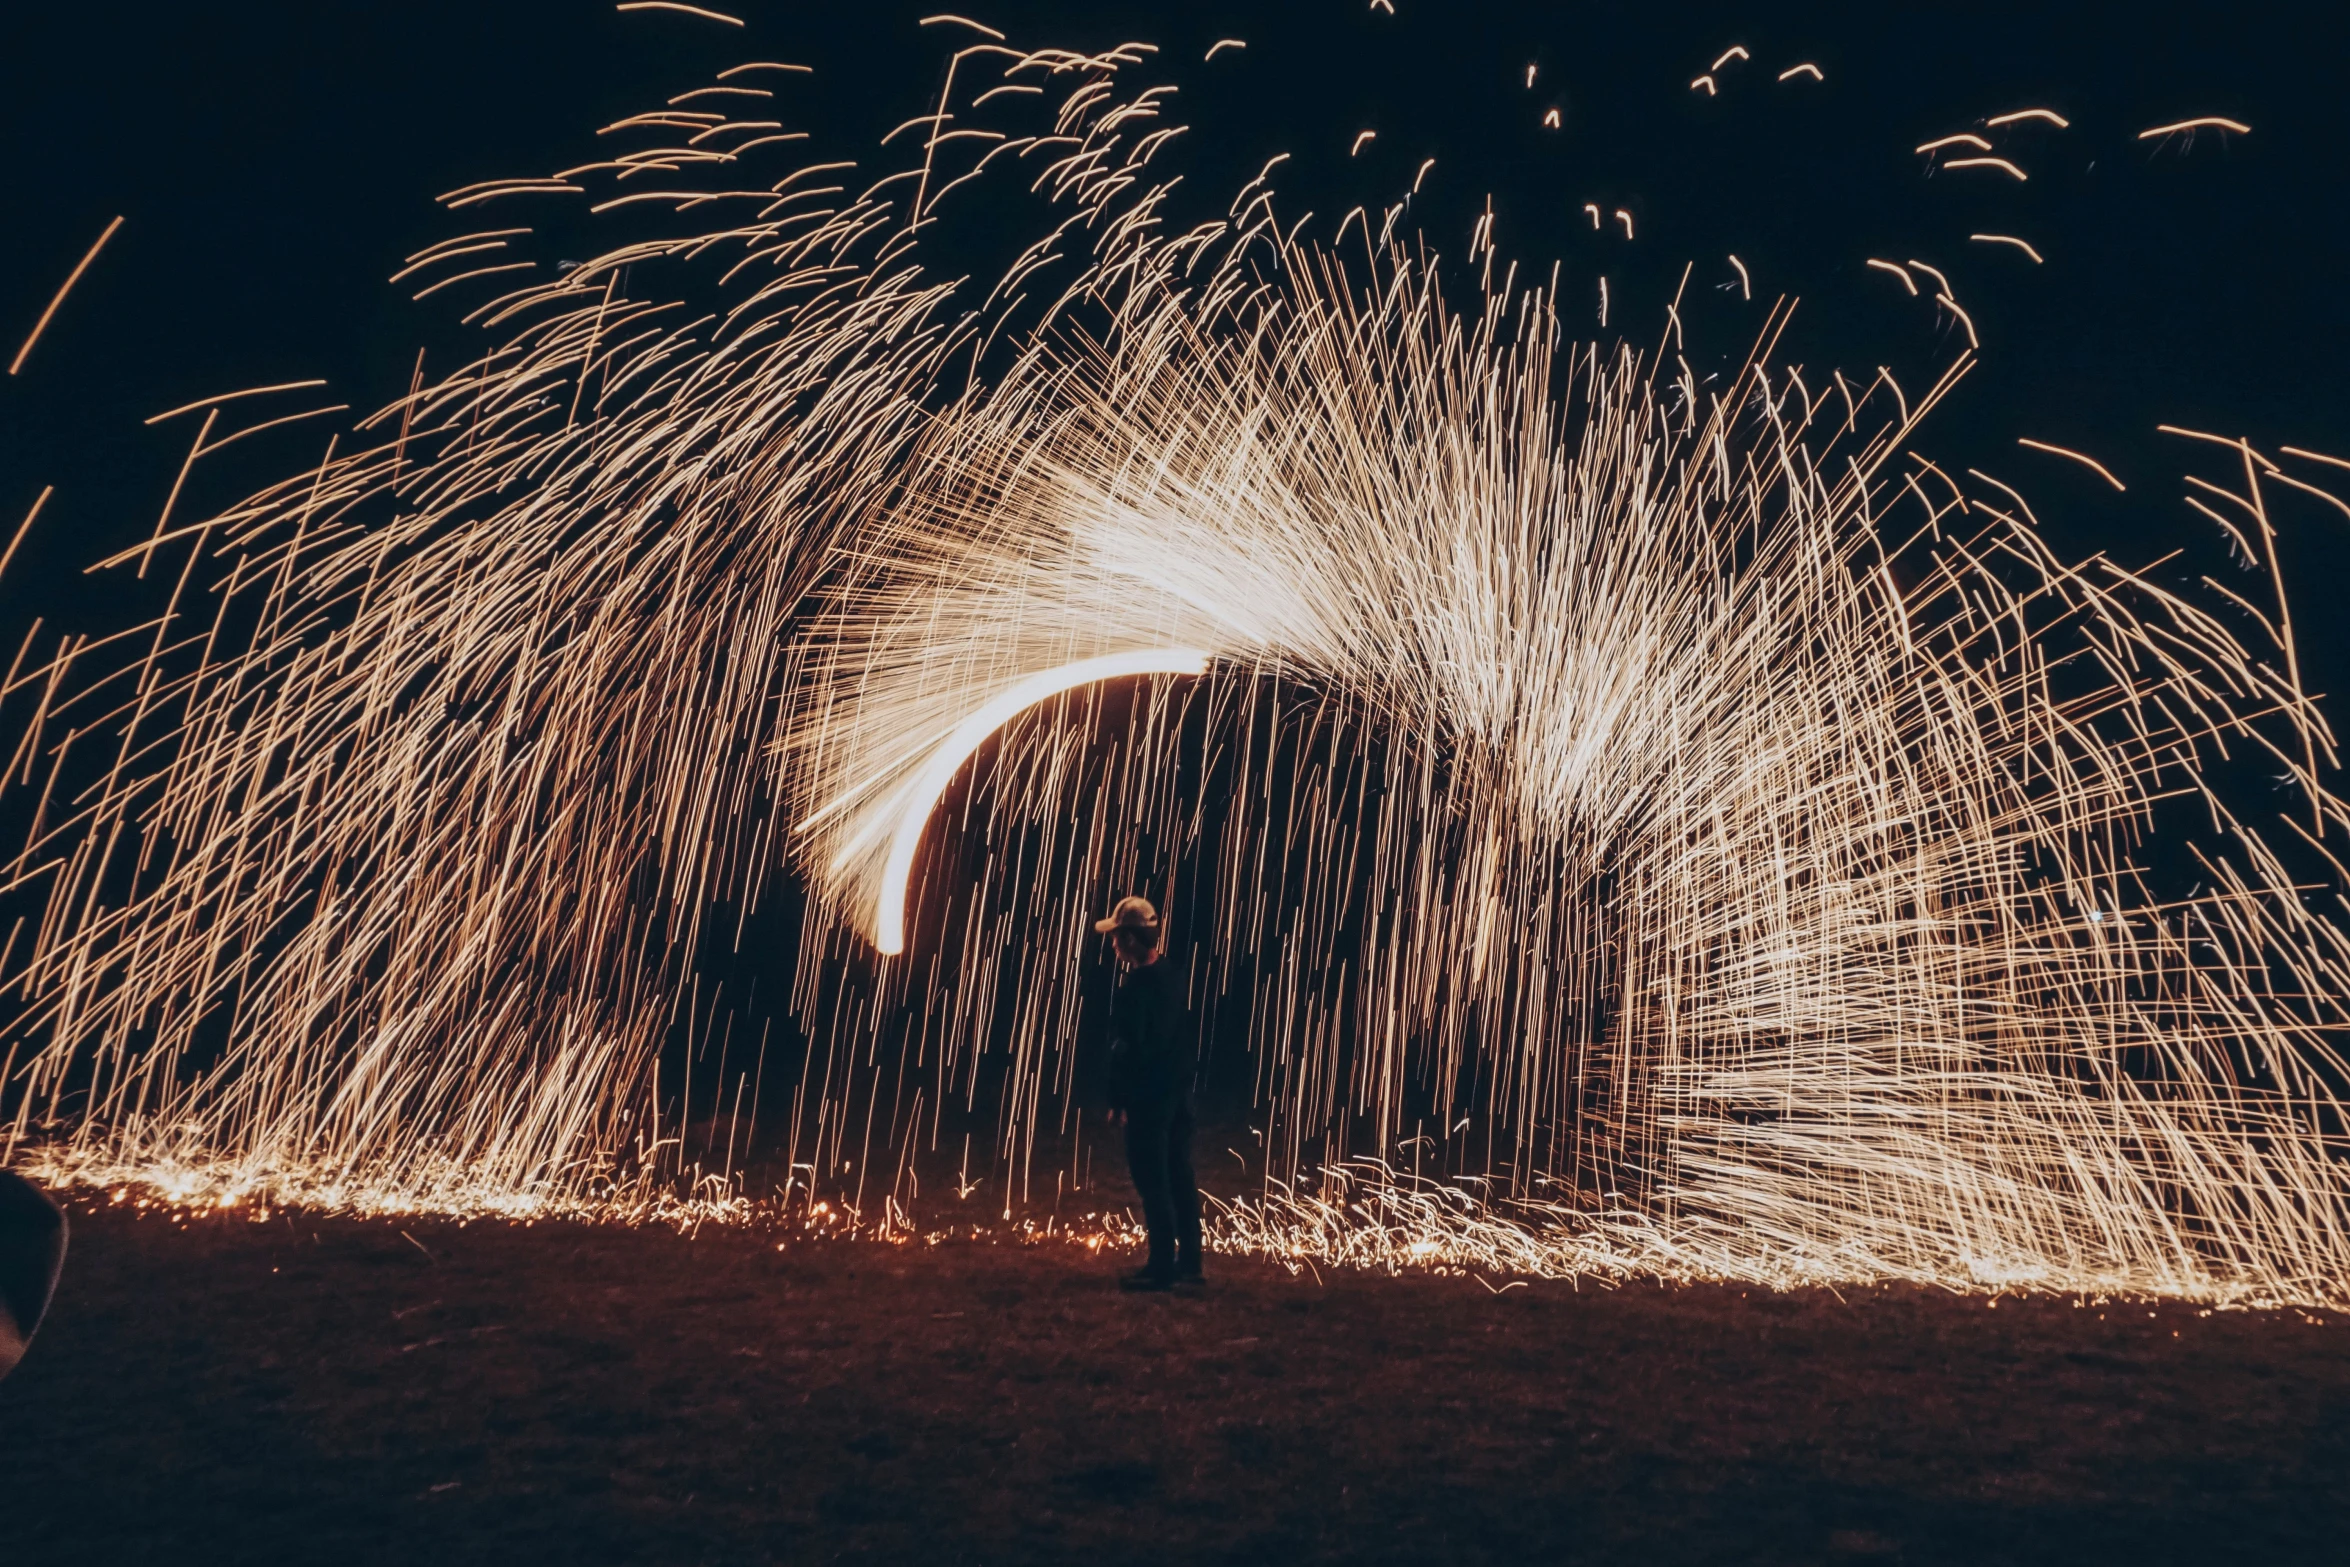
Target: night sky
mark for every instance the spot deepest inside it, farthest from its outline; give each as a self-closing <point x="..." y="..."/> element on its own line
<point x="274" y="163"/>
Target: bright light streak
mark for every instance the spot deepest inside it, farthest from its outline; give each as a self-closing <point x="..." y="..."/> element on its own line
<point x="919" y="797"/>
<point x="685" y="10"/>
<point x="2000" y="164"/>
<point x="1899" y="271"/>
<point x="2091" y="463"/>
<point x="2212" y="121"/>
<point x="58" y="298"/>
<point x="2007" y="239"/>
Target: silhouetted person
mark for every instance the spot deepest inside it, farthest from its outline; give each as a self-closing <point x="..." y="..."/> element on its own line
<point x="1151" y="1059"/>
<point x="32" y="1248"/>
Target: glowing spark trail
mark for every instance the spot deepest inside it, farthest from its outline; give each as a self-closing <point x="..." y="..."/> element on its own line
<point x="1678" y="814"/>
<point x="2050" y="115"/>
<point x="910" y="807"/>
<point x="2211" y="120"/>
<point x="686" y="10"/>
<point x="2000" y="164"/>
<point x="2007" y="239"/>
<point x="25" y="527"/>
<point x="1805" y="69"/>
<point x="58" y="298"/>
<point x="1899" y="271"/>
<point x="2091" y="463"/>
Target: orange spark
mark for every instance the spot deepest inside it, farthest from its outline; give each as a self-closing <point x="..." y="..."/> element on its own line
<point x="2006" y="239"/>
<point x="1987" y="163"/>
<point x="2086" y="461"/>
<point x="1899" y="271"/>
<point x="2211" y="120"/>
<point x="677" y="5"/>
<point x="58" y="298"/>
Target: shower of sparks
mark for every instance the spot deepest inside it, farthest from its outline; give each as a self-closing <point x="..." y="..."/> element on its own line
<point x="1682" y="816"/>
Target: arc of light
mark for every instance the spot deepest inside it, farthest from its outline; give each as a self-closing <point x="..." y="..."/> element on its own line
<point x="921" y="795"/>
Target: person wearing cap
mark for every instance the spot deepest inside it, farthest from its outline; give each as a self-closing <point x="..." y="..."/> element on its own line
<point x="1151" y="1051"/>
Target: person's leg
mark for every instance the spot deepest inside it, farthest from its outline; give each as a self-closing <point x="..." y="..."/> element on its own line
<point x="1183" y="1194"/>
<point x="1146" y="1161"/>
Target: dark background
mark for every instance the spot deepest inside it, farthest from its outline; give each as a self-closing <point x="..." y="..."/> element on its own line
<point x="275" y="162"/>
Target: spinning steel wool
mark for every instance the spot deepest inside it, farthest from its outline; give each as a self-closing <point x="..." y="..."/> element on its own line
<point x="1681" y="807"/>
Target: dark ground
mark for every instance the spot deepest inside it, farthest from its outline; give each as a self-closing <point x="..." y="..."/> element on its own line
<point x="312" y="1390"/>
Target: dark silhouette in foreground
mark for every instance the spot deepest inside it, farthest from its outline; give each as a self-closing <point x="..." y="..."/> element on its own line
<point x="1151" y="1062"/>
<point x="32" y="1250"/>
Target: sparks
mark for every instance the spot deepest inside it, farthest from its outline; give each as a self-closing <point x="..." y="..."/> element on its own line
<point x="1736" y="814"/>
<point x="58" y="298"/>
<point x="682" y="9"/>
<point x="2085" y="461"/>
<point x="2000" y="164"/>
<point x="1899" y="271"/>
<point x="2006" y="239"/>
<point x="2210" y="121"/>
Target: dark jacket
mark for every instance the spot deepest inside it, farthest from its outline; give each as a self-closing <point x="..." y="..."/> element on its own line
<point x="1151" y="1041"/>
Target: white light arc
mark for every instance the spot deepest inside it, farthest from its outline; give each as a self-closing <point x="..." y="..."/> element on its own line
<point x="920" y="796"/>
